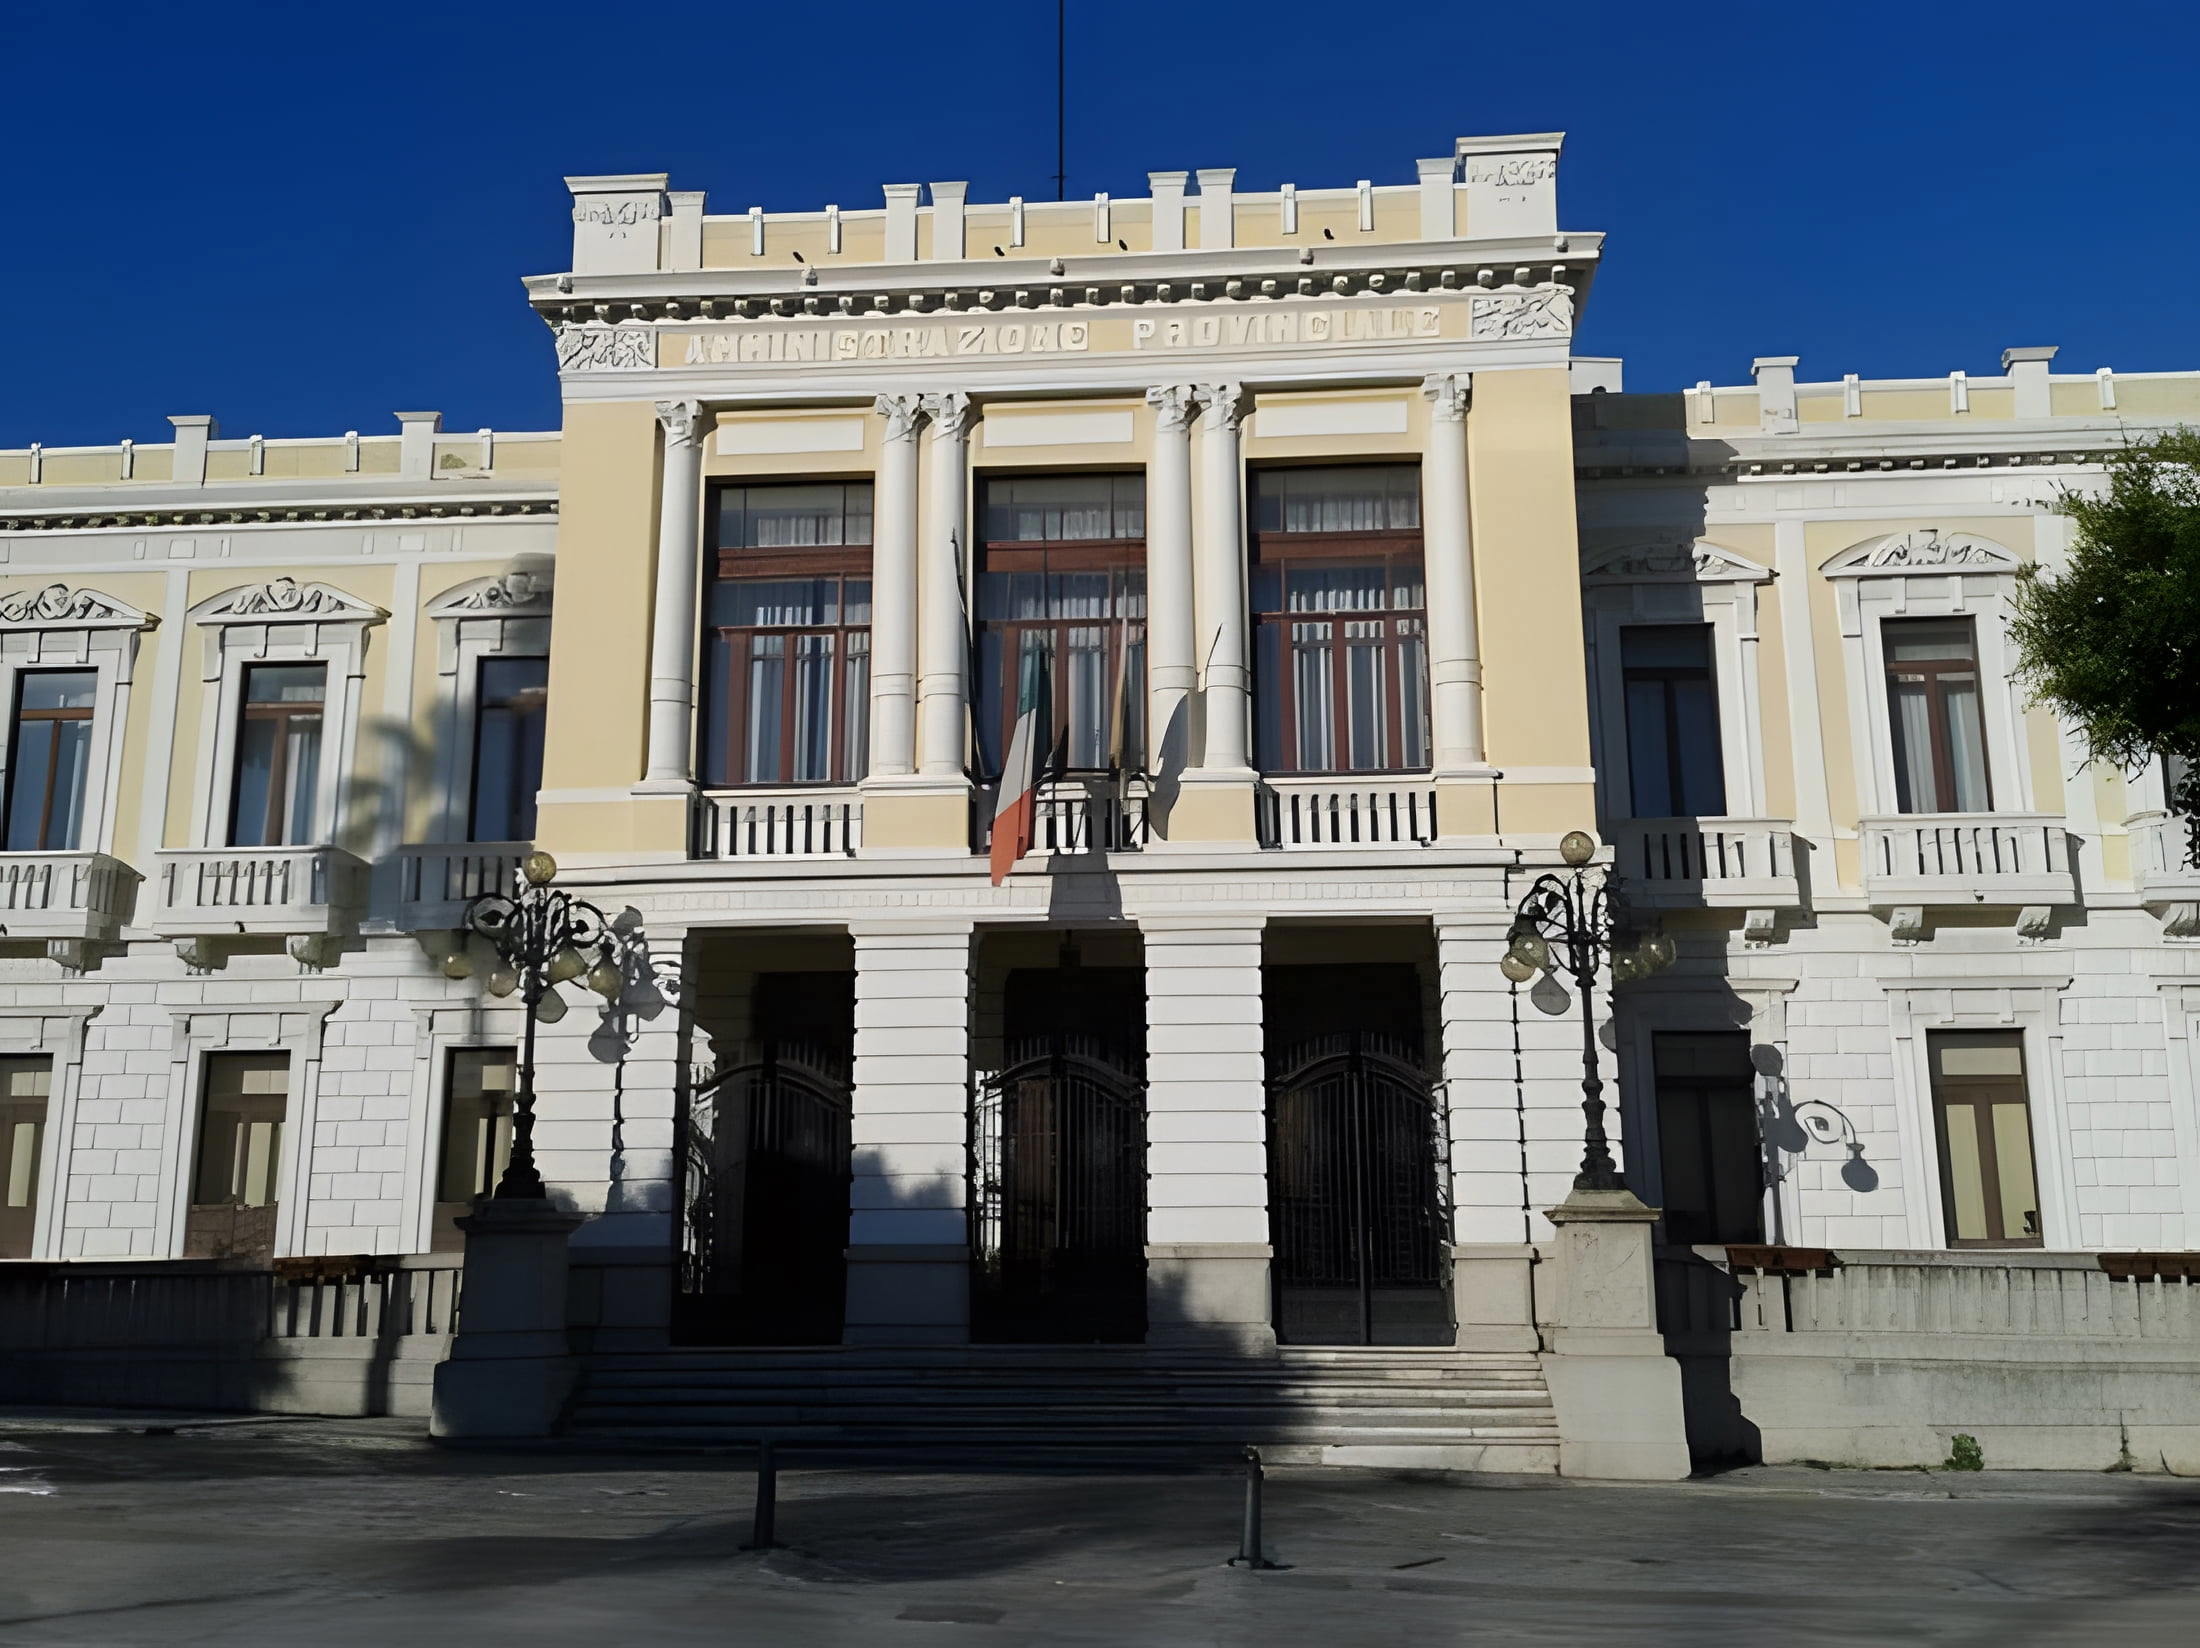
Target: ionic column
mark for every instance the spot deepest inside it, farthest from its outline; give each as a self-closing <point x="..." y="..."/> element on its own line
<point x="1172" y="657"/>
<point x="675" y="623"/>
<point x="1224" y="672"/>
<point x="894" y="590"/>
<point x="943" y="640"/>
<point x="908" y="1237"/>
<point x="1207" y="1239"/>
<point x="1454" y="646"/>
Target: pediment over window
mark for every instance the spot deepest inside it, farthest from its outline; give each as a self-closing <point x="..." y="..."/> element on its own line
<point x="1678" y="561"/>
<point x="286" y="601"/>
<point x="58" y="606"/>
<point x="1925" y="549"/>
<point x="518" y="594"/>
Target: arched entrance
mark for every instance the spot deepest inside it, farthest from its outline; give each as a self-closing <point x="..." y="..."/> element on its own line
<point x="1357" y="1164"/>
<point x="764" y="1201"/>
<point x="1058" y="1195"/>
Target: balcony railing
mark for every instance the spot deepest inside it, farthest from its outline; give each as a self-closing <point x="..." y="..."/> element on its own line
<point x="1717" y="863"/>
<point x="2167" y="880"/>
<point x="279" y="890"/>
<point x="778" y="824"/>
<point x="65" y="895"/>
<point x="435" y="880"/>
<point x="1304" y="813"/>
<point x="1967" y="859"/>
<point x="1083" y="814"/>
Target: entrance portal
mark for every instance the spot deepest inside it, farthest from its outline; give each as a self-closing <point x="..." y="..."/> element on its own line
<point x="1356" y="1163"/>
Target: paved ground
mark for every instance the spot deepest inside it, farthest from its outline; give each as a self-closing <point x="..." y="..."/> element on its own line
<point x="329" y="1533"/>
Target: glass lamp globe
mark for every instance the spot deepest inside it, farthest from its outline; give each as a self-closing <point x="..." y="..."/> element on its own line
<point x="1626" y="967"/>
<point x="457" y="965"/>
<point x="568" y="963"/>
<point x="502" y="981"/>
<point x="1659" y="950"/>
<point x="550" y="1009"/>
<point x="539" y="868"/>
<point x="1531" y="948"/>
<point x="1577" y="847"/>
<point x="606" y="980"/>
<point x="1515" y="969"/>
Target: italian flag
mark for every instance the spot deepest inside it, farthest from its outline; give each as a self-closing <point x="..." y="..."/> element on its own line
<point x="1016" y="812"/>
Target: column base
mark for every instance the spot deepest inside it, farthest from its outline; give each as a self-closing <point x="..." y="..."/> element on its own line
<point x="908" y="1294"/>
<point x="1209" y="1296"/>
<point x="1466" y="805"/>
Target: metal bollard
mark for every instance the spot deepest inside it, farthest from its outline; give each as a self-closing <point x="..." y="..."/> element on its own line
<point x="761" y="1528"/>
<point x="1249" y="1552"/>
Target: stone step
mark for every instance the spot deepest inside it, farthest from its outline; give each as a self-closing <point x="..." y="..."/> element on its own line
<point x="1084" y="1417"/>
<point x="981" y="1390"/>
<point x="1510" y="1455"/>
<point x="1015" y="1436"/>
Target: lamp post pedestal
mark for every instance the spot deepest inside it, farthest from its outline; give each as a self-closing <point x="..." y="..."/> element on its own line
<point x="1616" y="1392"/>
<point x="511" y="1368"/>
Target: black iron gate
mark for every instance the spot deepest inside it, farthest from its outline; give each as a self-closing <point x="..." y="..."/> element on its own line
<point x="1058" y="1196"/>
<point x="1357" y="1195"/>
<point x="764" y="1202"/>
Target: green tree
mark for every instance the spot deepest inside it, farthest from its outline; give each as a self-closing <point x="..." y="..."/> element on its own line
<point x="2112" y="644"/>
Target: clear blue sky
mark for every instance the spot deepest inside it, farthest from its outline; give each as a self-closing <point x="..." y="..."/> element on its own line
<point x="301" y="217"/>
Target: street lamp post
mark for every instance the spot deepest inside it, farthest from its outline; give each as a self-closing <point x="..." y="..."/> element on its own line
<point x="542" y="937"/>
<point x="1570" y="924"/>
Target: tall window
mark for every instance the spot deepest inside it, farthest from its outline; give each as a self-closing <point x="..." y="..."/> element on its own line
<point x="25" y="1084"/>
<point x="1673" y="764"/>
<point x="511" y="704"/>
<point x="477" y="1135"/>
<point x="1340" y="652"/>
<point x="1062" y="578"/>
<point x="1988" y="1191"/>
<point x="788" y="636"/>
<point x="279" y="756"/>
<point x="236" y="1181"/>
<point x="48" y="757"/>
<point x="1713" y="1164"/>
<point x="1933" y="701"/>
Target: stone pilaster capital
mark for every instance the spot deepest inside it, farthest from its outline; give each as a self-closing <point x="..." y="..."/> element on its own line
<point x="902" y="414"/>
<point x="950" y="414"/>
<point x="682" y="422"/>
<point x="1225" y="405"/>
<point x="1175" y="406"/>
<point x="1448" y="394"/>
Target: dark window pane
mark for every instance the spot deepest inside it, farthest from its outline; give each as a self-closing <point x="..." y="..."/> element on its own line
<point x="1674" y="763"/>
<point x="275" y="794"/>
<point x="284" y="683"/>
<point x="795" y="515"/>
<point x="511" y="710"/>
<point x="58" y="689"/>
<point x="1056" y="508"/>
<point x="1709" y="1149"/>
<point x="49" y="759"/>
<point x="236" y="1180"/>
<point x="1936" y="716"/>
<point x="1344" y="498"/>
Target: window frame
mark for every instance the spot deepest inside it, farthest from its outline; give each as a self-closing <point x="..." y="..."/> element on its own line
<point x="278" y="622"/>
<point x="89" y="714"/>
<point x="41" y="1184"/>
<point x="1685" y="582"/>
<point x="1667" y="677"/>
<point x="1941" y="1101"/>
<point x="523" y="802"/>
<point x="1280" y="548"/>
<point x="280" y="713"/>
<point x="505" y="616"/>
<point x="64" y="628"/>
<point x="721" y="733"/>
<point x="1701" y="1088"/>
<point x="448" y="1054"/>
<point x="1936" y="700"/>
<point x="993" y="702"/>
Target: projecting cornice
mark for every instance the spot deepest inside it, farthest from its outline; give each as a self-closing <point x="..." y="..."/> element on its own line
<point x="23" y="509"/>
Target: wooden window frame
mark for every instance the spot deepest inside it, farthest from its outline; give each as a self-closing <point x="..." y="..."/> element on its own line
<point x="1044" y="556"/>
<point x="1280" y="550"/>
<point x="281" y="713"/>
<point x="1936" y="712"/>
<point x="83" y="712"/>
<point x="1986" y="1088"/>
<point x="483" y="705"/>
<point x="1666" y="677"/>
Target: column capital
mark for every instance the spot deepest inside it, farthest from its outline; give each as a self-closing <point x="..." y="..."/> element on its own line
<point x="1448" y="394"/>
<point x="1175" y="406"/>
<point x="1225" y="404"/>
<point x="950" y="414"/>
<point x="902" y="414"/>
<point x="682" y="421"/>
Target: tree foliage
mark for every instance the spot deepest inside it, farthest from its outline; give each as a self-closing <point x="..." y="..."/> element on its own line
<point x="2112" y="643"/>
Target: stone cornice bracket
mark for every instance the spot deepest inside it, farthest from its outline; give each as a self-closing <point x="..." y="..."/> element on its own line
<point x="682" y="421"/>
<point x="1225" y="404"/>
<point x="903" y="413"/>
<point x="1448" y="394"/>
<point x="950" y="413"/>
<point x="1175" y="405"/>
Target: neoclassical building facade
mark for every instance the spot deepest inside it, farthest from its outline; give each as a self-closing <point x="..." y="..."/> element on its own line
<point x="1340" y="589"/>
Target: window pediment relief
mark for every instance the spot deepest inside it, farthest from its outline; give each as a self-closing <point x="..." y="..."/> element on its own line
<point x="285" y="600"/>
<point x="518" y="594"/>
<point x="1927" y="549"/>
<point x="57" y="606"/>
<point x="1684" y="561"/>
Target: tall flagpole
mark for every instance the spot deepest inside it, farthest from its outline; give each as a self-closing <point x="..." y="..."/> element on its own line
<point x="1061" y="99"/>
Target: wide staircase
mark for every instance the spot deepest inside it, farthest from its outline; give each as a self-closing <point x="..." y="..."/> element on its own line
<point x="1428" y="1409"/>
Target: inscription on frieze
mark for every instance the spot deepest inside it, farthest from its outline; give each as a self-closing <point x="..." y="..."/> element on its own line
<point x="1545" y="314"/>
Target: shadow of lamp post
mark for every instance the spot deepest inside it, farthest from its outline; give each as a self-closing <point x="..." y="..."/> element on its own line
<point x="510" y="1370"/>
<point x="1614" y="1391"/>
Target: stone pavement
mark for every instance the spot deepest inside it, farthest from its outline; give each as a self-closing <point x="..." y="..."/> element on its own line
<point x="330" y="1533"/>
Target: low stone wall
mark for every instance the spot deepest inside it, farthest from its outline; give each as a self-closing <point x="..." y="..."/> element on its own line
<point x="350" y="1336"/>
<point x="1883" y="1358"/>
